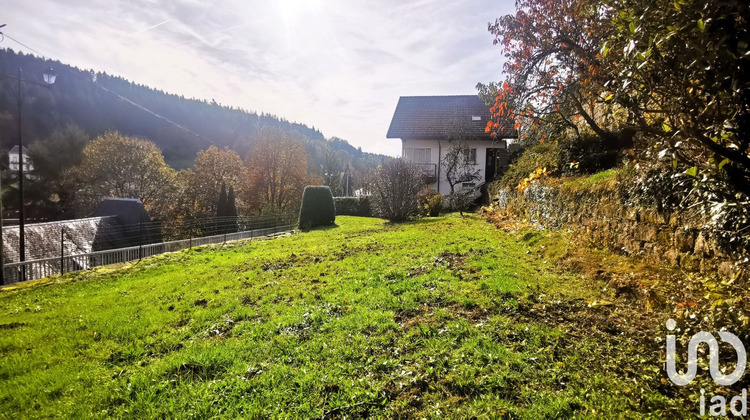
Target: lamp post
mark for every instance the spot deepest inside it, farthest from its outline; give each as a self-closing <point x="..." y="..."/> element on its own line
<point x="49" y="77"/>
<point x="347" y="173"/>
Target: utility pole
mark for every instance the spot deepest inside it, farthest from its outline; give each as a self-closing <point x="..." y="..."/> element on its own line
<point x="346" y="173"/>
<point x="21" y="219"/>
<point x="49" y="79"/>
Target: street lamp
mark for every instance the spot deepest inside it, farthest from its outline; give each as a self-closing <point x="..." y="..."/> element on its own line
<point x="49" y="77"/>
<point x="347" y="173"/>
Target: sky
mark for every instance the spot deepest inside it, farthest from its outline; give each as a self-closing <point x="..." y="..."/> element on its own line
<point x="337" y="65"/>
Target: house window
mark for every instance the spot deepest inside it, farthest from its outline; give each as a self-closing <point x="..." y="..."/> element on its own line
<point x="418" y="155"/>
<point x="470" y="156"/>
<point x="476" y="118"/>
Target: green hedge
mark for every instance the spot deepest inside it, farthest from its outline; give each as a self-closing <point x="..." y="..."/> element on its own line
<point x="353" y="206"/>
<point x="317" y="207"/>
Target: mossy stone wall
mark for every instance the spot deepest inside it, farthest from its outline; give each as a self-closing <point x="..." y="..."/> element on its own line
<point x="604" y="217"/>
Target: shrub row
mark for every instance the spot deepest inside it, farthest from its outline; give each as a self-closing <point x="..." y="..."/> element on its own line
<point x="353" y="206"/>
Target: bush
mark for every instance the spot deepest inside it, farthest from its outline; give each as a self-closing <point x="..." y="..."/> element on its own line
<point x="587" y="155"/>
<point x="396" y="185"/>
<point x="353" y="206"/>
<point x="462" y="199"/>
<point x="317" y="207"/>
<point x="430" y="202"/>
<point x="543" y="155"/>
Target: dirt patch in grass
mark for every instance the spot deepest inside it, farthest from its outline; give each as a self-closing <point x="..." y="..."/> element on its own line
<point x="418" y="271"/>
<point x="450" y="259"/>
<point x="454" y="262"/>
<point x="473" y="314"/>
<point x="12" y="325"/>
<point x="411" y="318"/>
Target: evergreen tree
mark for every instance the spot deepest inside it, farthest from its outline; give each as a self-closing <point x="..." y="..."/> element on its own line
<point x="232" y="210"/>
<point x="231" y="204"/>
<point x="221" y="211"/>
<point x="221" y="204"/>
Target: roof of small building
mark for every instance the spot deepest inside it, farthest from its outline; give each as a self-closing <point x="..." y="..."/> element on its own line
<point x="434" y="117"/>
<point x="128" y="210"/>
<point x="14" y="150"/>
<point x="43" y="239"/>
<point x="116" y="224"/>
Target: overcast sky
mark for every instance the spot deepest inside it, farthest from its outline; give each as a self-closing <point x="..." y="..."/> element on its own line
<point x="338" y="65"/>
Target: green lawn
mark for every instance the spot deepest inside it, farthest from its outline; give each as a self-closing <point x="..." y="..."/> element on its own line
<point x="440" y="317"/>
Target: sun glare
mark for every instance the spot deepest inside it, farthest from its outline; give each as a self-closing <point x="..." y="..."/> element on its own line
<point x="291" y="10"/>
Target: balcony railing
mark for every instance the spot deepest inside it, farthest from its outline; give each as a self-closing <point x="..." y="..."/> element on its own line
<point x="429" y="170"/>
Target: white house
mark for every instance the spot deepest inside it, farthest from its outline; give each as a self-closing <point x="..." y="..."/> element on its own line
<point x="429" y="125"/>
<point x="14" y="159"/>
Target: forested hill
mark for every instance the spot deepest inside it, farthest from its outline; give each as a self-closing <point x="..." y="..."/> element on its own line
<point x="90" y="100"/>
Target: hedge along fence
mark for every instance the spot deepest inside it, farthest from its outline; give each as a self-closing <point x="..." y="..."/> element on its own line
<point x="599" y="209"/>
<point x="353" y="206"/>
<point x="317" y="208"/>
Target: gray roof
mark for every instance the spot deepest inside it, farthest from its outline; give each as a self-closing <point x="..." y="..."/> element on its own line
<point x="435" y="117"/>
<point x="43" y="239"/>
<point x="128" y="210"/>
<point x="14" y="150"/>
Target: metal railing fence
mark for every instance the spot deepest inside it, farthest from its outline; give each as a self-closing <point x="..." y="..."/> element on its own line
<point x="222" y="229"/>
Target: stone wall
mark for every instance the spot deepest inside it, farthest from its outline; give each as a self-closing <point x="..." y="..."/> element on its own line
<point x="603" y="216"/>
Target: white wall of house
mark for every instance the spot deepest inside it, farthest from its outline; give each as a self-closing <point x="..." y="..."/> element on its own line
<point x="437" y="152"/>
<point x="14" y="159"/>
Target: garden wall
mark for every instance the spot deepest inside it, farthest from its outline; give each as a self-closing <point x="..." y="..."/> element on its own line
<point x="599" y="212"/>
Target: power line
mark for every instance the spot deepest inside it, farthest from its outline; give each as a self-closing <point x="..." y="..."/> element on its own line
<point x="131" y="102"/>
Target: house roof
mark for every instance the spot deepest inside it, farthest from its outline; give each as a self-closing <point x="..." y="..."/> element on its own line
<point x="43" y="239"/>
<point x="437" y="116"/>
<point x="127" y="210"/>
<point x="14" y="150"/>
<point x="115" y="225"/>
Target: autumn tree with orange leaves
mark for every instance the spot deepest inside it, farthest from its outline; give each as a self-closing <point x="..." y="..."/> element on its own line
<point x="276" y="172"/>
<point x="672" y="74"/>
<point x="675" y="72"/>
<point x="213" y="168"/>
<point x="555" y="74"/>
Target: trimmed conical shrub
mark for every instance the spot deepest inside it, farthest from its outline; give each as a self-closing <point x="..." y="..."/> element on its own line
<point x="317" y="207"/>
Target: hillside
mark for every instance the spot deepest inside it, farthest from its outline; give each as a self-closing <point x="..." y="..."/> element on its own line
<point x="443" y="317"/>
<point x="98" y="102"/>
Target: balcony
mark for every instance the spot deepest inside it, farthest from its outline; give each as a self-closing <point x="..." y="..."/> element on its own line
<point x="429" y="171"/>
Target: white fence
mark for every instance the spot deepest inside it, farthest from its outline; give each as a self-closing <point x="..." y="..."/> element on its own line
<point x="40" y="268"/>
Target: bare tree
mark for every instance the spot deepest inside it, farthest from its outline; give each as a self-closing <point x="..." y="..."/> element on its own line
<point x="460" y="163"/>
<point x="395" y="188"/>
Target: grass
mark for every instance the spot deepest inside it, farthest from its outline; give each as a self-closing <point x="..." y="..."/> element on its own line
<point x="440" y="317"/>
<point x="604" y="179"/>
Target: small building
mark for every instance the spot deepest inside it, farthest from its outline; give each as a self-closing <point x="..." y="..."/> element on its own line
<point x="426" y="126"/>
<point x="117" y="223"/>
<point x="14" y="160"/>
<point x="133" y="224"/>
